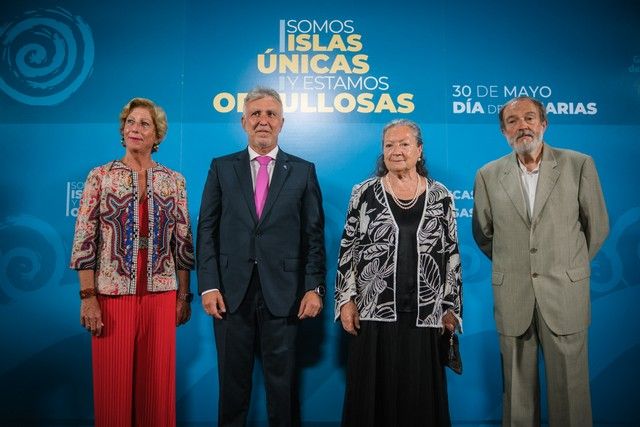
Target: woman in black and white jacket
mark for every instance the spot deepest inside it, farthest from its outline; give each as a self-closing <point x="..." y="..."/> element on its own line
<point x="398" y="285"/>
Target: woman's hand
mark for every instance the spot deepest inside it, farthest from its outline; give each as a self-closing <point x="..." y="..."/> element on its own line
<point x="449" y="321"/>
<point x="350" y="318"/>
<point x="183" y="312"/>
<point x="91" y="315"/>
<point x="183" y="298"/>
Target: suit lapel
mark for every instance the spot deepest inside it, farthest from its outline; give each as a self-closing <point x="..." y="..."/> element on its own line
<point x="281" y="171"/>
<point x="510" y="181"/>
<point x="547" y="179"/>
<point x="243" y="172"/>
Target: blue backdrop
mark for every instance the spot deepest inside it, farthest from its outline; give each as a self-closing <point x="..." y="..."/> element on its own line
<point x="68" y="67"/>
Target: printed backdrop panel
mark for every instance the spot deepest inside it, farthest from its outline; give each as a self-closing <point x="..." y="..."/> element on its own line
<point x="344" y="69"/>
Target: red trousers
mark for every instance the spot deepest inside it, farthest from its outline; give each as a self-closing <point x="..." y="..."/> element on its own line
<point x="134" y="377"/>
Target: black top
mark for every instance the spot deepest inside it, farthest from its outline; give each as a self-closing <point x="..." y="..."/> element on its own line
<point x="407" y="263"/>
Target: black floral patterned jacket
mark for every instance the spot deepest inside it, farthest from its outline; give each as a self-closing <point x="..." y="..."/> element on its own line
<point x="368" y="253"/>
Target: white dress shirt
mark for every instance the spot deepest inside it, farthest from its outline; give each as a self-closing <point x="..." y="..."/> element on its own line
<point x="529" y="181"/>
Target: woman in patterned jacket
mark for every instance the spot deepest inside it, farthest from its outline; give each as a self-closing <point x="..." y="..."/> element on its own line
<point x="398" y="285"/>
<point x="133" y="251"/>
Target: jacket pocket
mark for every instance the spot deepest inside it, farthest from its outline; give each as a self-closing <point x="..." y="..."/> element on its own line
<point x="578" y="274"/>
<point x="291" y="264"/>
<point x="224" y="261"/>
<point x="497" y="278"/>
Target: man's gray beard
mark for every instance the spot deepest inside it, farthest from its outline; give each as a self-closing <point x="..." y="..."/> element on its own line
<point x="527" y="147"/>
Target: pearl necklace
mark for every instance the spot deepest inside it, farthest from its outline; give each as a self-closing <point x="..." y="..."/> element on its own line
<point x="408" y="204"/>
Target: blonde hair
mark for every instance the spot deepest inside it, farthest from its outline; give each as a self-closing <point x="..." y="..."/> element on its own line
<point x="158" y="116"/>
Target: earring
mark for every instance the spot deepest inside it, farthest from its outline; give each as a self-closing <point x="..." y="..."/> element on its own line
<point x="155" y="147"/>
<point x="122" y="142"/>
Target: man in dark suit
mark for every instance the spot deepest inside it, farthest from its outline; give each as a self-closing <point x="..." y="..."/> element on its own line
<point x="261" y="262"/>
<point x="539" y="215"/>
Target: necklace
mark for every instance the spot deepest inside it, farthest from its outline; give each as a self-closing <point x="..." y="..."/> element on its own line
<point x="404" y="205"/>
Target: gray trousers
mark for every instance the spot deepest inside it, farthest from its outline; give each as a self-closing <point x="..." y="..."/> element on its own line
<point x="567" y="373"/>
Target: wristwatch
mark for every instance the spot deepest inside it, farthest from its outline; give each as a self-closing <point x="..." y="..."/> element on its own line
<point x="186" y="297"/>
<point x="320" y="290"/>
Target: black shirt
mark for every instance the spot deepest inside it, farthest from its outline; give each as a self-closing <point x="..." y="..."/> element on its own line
<point x="407" y="263"/>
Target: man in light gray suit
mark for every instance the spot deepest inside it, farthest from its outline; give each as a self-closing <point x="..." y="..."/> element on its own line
<point x="539" y="215"/>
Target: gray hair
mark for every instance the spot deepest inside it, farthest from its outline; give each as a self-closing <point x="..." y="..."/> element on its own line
<point x="260" y="92"/>
<point x="421" y="167"/>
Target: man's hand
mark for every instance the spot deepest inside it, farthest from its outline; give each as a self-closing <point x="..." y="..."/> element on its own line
<point x="213" y="304"/>
<point x="310" y="306"/>
<point x="350" y="318"/>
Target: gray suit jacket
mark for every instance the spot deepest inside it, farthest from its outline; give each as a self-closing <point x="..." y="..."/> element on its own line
<point x="543" y="259"/>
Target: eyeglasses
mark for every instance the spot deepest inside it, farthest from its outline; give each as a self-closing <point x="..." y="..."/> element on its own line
<point x="142" y="123"/>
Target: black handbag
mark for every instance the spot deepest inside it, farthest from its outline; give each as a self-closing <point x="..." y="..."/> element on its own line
<point x="450" y="351"/>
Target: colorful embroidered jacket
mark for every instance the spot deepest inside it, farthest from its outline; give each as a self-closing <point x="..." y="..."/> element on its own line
<point x="106" y="236"/>
<point x="368" y="255"/>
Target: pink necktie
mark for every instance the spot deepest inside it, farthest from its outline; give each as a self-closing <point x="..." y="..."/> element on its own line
<point x="262" y="183"/>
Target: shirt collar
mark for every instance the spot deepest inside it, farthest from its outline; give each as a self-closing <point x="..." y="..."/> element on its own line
<point x="273" y="153"/>
<point x="524" y="169"/>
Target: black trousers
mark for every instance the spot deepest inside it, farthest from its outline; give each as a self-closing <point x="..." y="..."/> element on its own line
<point x="239" y="336"/>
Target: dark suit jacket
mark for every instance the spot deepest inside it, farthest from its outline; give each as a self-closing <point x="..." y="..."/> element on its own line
<point x="286" y="244"/>
<point x="544" y="259"/>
